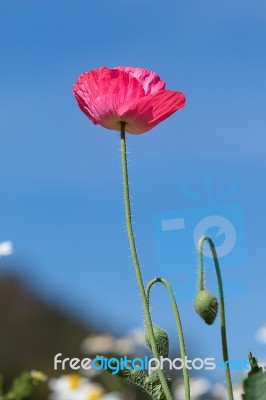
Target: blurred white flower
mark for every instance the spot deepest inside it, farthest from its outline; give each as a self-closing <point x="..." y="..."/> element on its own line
<point x="123" y="346"/>
<point x="138" y="336"/>
<point x="261" y="334"/>
<point x="75" y="387"/>
<point x="198" y="387"/>
<point x="107" y="344"/>
<point x="262" y="364"/>
<point x="68" y="383"/>
<point x="100" y="344"/>
<point x="219" y="392"/>
<point x="91" y="373"/>
<point x="130" y="343"/>
<point x="6" y="248"/>
<point x="238" y="391"/>
<point x="112" y="396"/>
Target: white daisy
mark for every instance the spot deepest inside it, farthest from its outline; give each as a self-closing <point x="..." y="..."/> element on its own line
<point x="6" y="248"/>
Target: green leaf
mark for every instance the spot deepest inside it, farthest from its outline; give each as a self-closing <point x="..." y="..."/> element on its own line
<point x="151" y="385"/>
<point x="255" y="384"/>
<point x="22" y="386"/>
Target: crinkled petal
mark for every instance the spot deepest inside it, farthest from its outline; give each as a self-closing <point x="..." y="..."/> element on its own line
<point x="149" y="80"/>
<point x="100" y="92"/>
<point x="144" y="114"/>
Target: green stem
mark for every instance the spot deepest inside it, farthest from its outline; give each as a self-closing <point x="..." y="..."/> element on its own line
<point x="222" y="307"/>
<point x="178" y="326"/>
<point x="133" y="249"/>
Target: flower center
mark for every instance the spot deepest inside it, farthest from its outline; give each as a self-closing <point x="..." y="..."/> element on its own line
<point x="74" y="381"/>
<point x="94" y="396"/>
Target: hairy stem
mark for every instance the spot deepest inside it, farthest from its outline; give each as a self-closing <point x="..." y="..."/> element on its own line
<point x="133" y="249"/>
<point x="221" y="304"/>
<point x="178" y="326"/>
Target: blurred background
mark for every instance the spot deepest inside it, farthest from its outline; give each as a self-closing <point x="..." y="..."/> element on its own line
<point x="70" y="275"/>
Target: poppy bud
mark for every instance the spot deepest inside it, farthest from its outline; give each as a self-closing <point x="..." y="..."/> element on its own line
<point x="206" y="305"/>
<point x="161" y="340"/>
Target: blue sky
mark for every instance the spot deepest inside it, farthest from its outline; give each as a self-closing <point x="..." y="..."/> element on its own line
<point x="61" y="197"/>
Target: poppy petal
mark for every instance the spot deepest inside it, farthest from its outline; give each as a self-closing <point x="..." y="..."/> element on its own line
<point x="143" y="114"/>
<point x="100" y="92"/>
<point x="149" y="80"/>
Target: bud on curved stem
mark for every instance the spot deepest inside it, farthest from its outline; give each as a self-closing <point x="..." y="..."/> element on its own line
<point x="178" y="326"/>
<point x="209" y="300"/>
<point x="206" y="305"/>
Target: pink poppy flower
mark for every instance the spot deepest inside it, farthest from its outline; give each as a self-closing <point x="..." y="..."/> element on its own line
<point x="136" y="96"/>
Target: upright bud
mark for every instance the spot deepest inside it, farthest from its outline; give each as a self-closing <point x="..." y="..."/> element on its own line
<point x="161" y="340"/>
<point x="206" y="305"/>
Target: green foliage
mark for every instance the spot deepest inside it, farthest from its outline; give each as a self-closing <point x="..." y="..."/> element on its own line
<point x="255" y="384"/>
<point x="206" y="305"/>
<point x="161" y="339"/>
<point x="150" y="384"/>
<point x="1" y="386"/>
<point x="22" y="386"/>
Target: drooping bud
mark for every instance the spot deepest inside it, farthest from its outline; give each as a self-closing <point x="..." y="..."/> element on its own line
<point x="161" y="340"/>
<point x="206" y="305"/>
